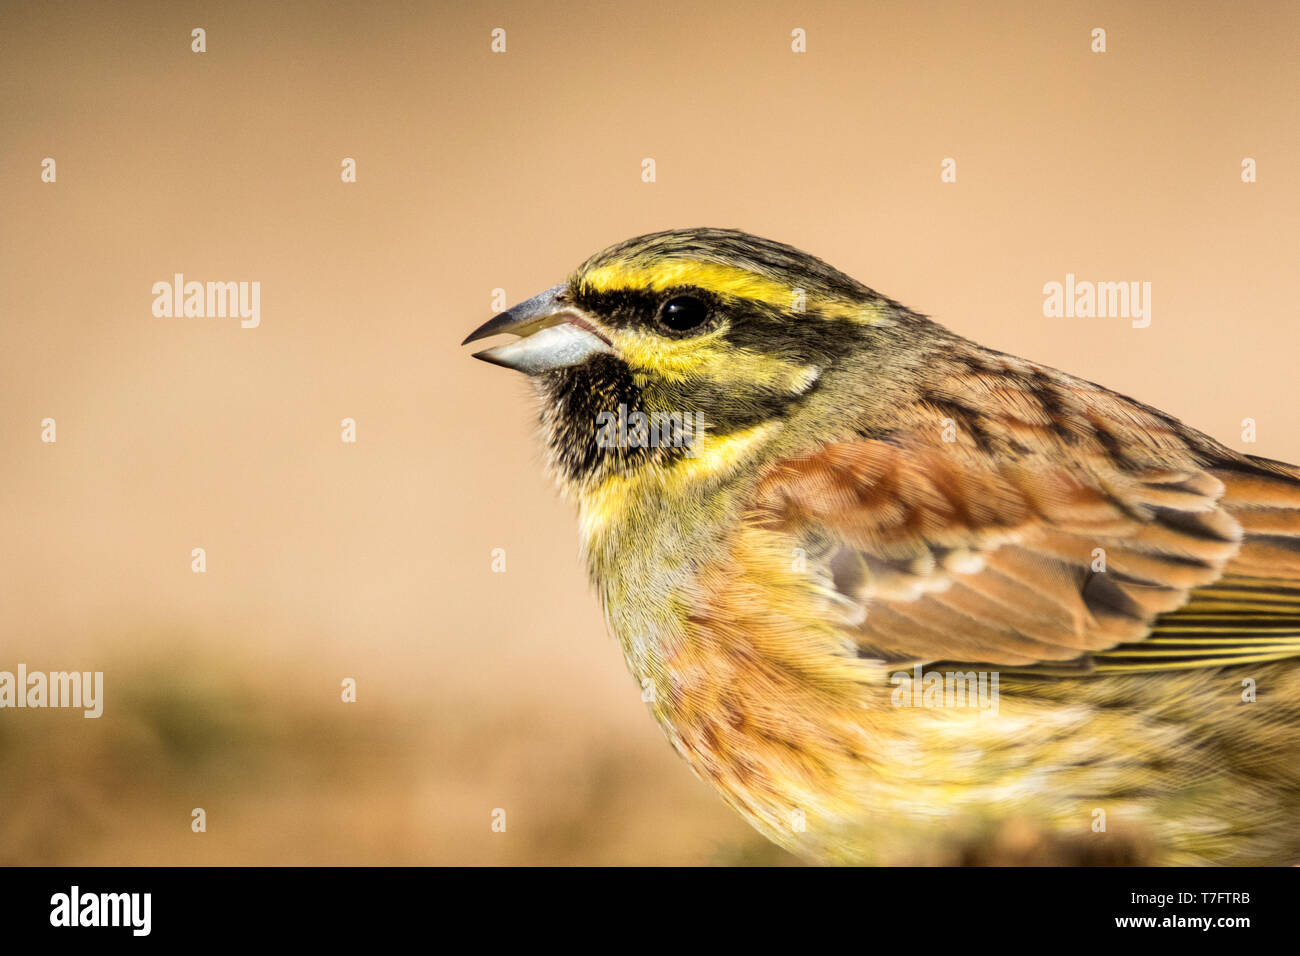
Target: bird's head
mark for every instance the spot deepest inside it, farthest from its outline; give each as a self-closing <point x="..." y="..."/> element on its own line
<point x="674" y="343"/>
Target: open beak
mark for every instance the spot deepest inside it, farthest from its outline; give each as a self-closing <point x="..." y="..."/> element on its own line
<point x="553" y="334"/>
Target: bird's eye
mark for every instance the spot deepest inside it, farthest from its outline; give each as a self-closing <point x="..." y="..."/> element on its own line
<point x="684" y="313"/>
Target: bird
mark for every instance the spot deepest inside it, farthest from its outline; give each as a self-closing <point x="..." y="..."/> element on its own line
<point x="902" y="599"/>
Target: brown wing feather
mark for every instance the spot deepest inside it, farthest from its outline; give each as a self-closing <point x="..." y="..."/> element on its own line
<point x="1251" y="614"/>
<point x="980" y="549"/>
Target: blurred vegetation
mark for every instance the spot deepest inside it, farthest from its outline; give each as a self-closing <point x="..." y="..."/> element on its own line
<point x="288" y="774"/>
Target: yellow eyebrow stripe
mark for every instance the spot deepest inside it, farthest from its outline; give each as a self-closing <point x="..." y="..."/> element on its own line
<point x="721" y="279"/>
<point x="714" y="276"/>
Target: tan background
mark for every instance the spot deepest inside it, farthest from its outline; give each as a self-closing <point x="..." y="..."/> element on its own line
<point x="326" y="560"/>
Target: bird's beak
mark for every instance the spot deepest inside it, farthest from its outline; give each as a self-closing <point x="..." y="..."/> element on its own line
<point x="553" y="334"/>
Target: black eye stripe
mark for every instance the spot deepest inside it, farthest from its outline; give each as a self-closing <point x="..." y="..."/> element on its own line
<point x="619" y="305"/>
<point x="747" y="323"/>
<point x="631" y="307"/>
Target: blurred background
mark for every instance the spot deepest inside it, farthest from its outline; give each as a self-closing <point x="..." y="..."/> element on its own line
<point x="477" y="171"/>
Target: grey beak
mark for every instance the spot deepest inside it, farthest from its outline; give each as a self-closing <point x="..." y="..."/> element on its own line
<point x="553" y="334"/>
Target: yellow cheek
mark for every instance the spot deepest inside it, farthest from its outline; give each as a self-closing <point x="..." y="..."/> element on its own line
<point x="709" y="357"/>
<point x="672" y="359"/>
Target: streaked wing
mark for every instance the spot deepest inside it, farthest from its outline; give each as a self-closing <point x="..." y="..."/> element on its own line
<point x="1125" y="541"/>
<point x="1252" y="613"/>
